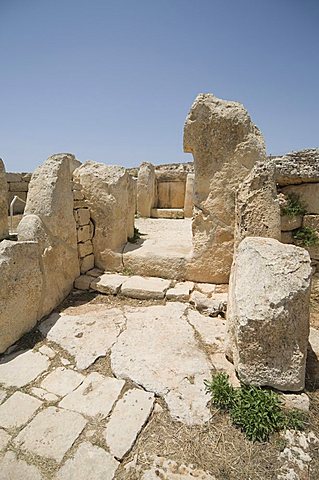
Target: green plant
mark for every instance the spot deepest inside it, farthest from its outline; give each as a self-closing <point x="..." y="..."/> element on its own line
<point x="221" y="391"/>
<point x="306" y="236"/>
<point x="256" y="411"/>
<point x="294" y="206"/>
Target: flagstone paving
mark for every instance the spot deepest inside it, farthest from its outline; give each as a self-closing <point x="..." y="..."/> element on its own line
<point x="74" y="406"/>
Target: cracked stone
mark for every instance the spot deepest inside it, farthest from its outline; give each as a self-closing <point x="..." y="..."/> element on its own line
<point x="127" y="420"/>
<point x="19" y="369"/>
<point x="152" y="354"/>
<point x="13" y="468"/>
<point x="211" y="330"/>
<point x="89" y="461"/>
<point x="95" y="396"/>
<point x="86" y="336"/>
<point x="181" y="292"/>
<point x="145" y="288"/>
<point x="62" y="381"/>
<point x="18" y="409"/>
<point x="4" y="440"/>
<point x="213" y="305"/>
<point x="51" y="433"/>
<point x="45" y="350"/>
<point x="108" y="283"/>
<point x="44" y="395"/>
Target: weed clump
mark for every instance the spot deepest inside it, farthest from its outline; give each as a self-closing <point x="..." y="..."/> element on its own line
<point x="306" y="236"/>
<point x="293" y="206"/>
<point x="256" y="411"/>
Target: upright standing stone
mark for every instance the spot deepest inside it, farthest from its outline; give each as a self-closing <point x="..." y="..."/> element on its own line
<point x="225" y="145"/>
<point x="108" y="190"/>
<point x="268" y="313"/>
<point x="3" y="202"/>
<point x="189" y="192"/>
<point x="49" y="220"/>
<point x="146" y="189"/>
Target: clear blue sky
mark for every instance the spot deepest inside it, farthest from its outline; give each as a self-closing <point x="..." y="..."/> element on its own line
<point x="113" y="80"/>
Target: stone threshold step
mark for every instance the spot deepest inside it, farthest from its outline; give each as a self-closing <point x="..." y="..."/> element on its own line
<point x="204" y="296"/>
<point x="167" y="213"/>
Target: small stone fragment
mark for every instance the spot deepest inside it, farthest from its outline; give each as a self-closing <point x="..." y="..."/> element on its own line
<point x="18" y="409"/>
<point x="83" y="282"/>
<point x="145" y="287"/>
<point x="108" y="283"/>
<point x="127" y="420"/>
<point x="296" y="401"/>
<point x="180" y="292"/>
<point x="45" y="350"/>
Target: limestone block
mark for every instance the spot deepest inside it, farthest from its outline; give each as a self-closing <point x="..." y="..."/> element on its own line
<point x="214" y="305"/>
<point x="44" y="395"/>
<point x="189" y="193"/>
<point x="286" y="237"/>
<point x="127" y="420"/>
<point x="84" y="233"/>
<point x="13" y="177"/>
<point x="290" y="223"/>
<point x="108" y="192"/>
<point x="3" y="202"/>
<point x="18" y="410"/>
<point x="82" y="216"/>
<point x="108" y="283"/>
<point x="49" y="221"/>
<point x="4" y="440"/>
<point x="170" y="194"/>
<point x="180" y="292"/>
<point x="21" y="290"/>
<point x="83" y="282"/>
<point x="51" y="433"/>
<point x="257" y="205"/>
<point x="19" y="369"/>
<point x="14" y="468"/>
<point x="78" y="195"/>
<point x="146" y="189"/>
<point x="308" y="194"/>
<point x="62" y="381"/>
<point x="86" y="263"/>
<point x="89" y="462"/>
<point x="145" y="287"/>
<point x="18" y="186"/>
<point x="225" y="145"/>
<point x="85" y="249"/>
<point x="167" y="213"/>
<point x="268" y="329"/>
<point x="297" y="167"/>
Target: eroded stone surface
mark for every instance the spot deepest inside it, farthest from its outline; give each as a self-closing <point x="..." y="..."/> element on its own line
<point x="18" y="409"/>
<point x="62" y="381"/>
<point x="13" y="468"/>
<point x="87" y="336"/>
<point x="128" y="418"/>
<point x="211" y="330"/>
<point x="167" y="469"/>
<point x="151" y="353"/>
<point x="108" y="283"/>
<point x="146" y="189"/>
<point x="95" y="396"/>
<point x="269" y="328"/>
<point x="51" y="433"/>
<point x="145" y="287"/>
<point x="19" y="369"/>
<point x="89" y="462"/>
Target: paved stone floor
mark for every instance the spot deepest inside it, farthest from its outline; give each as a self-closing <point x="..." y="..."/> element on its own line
<point x="73" y="405"/>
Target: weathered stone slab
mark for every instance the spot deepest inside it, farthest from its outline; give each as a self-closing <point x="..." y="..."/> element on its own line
<point x="269" y="328"/>
<point x="45" y="350"/>
<point x="211" y="330"/>
<point x="86" y="336"/>
<point x="95" y="272"/>
<point x="19" y="369"/>
<point x="4" y="440"/>
<point x="150" y="353"/>
<point x="311" y="221"/>
<point x="16" y="469"/>
<point x="83" y="282"/>
<point x="62" y="381"/>
<point x="51" y="433"/>
<point x="127" y="420"/>
<point x="297" y="167"/>
<point x="189" y="193"/>
<point x="108" y="283"/>
<point x="89" y="462"/>
<point x="21" y="290"/>
<point x="180" y="292"/>
<point x="170" y="195"/>
<point x="167" y="213"/>
<point x="95" y="396"/>
<point x="145" y="287"/>
<point x="82" y="216"/>
<point x="293" y="401"/>
<point x="17" y="410"/>
<point x="85" y="248"/>
<point x="44" y="395"/>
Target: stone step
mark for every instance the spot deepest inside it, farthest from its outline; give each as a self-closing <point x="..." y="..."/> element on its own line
<point x="167" y="213"/>
<point x="205" y="297"/>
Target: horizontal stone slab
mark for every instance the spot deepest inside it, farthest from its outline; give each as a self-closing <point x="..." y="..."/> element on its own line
<point x="145" y="287"/>
<point x="167" y="213"/>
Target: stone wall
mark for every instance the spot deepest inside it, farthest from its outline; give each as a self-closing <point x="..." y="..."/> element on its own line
<point x="84" y="229"/>
<point x="18" y="184"/>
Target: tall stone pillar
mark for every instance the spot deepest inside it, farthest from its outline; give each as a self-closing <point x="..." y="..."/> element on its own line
<point x="189" y="202"/>
<point x="146" y="189"/>
<point x="4" y="231"/>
